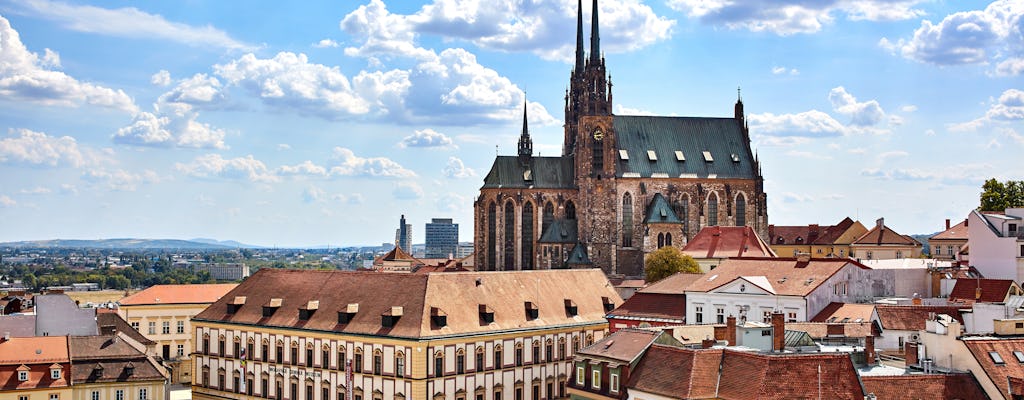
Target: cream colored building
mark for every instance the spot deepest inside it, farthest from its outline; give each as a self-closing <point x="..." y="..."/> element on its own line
<point x="454" y="335"/>
<point x="883" y="243"/>
<point x="163" y="314"/>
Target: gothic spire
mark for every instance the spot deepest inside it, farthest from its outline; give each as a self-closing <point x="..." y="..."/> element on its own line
<point x="595" y="39"/>
<point x="525" y="142"/>
<point x="579" y="37"/>
<point x="738" y="109"/>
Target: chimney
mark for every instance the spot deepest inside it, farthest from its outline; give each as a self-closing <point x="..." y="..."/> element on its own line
<point x="947" y="224"/>
<point x="7" y="336"/>
<point x="869" y="350"/>
<point x="910" y="353"/>
<point x="730" y="330"/>
<point x="880" y="222"/>
<point x="965" y="222"/>
<point x="778" y="331"/>
<point x="916" y="300"/>
<point x="707" y="343"/>
<point x="812" y="229"/>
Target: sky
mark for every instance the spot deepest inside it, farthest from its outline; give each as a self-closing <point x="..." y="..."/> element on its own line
<point x="320" y="123"/>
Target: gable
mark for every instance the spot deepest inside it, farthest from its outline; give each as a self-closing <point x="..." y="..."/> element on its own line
<point x="751" y="285"/>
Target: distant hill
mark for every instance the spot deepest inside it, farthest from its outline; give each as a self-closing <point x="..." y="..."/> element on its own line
<point x="128" y="244"/>
<point x="923" y="238"/>
<point x="228" y="243"/>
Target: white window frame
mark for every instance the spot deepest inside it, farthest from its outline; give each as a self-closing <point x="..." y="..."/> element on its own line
<point x="181" y="327"/>
<point x="22" y="376"/>
<point x="595" y="377"/>
<point x="152" y="327"/>
<point x="55" y="373"/>
<point x="95" y="395"/>
<point x="581" y="379"/>
<point x="698" y="313"/>
<point x="119" y="394"/>
<point x="613" y="385"/>
<point x="143" y="394"/>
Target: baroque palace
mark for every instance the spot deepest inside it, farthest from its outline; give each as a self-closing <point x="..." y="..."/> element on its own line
<point x="623" y="186"/>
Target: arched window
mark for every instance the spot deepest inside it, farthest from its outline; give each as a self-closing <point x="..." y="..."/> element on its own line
<point x="627" y="220"/>
<point x="400" y="364"/>
<point x="492" y="232"/>
<point x="439" y="364"/>
<point x="741" y="210"/>
<point x="661" y="240"/>
<point x="527" y="243"/>
<point x="509" y="259"/>
<point x="668" y="239"/>
<point x="460" y="361"/>
<point x="378" y="362"/>
<point x="570" y="210"/>
<point x="549" y="216"/>
<point x="684" y="214"/>
<point x="713" y="209"/>
<point x="597" y="152"/>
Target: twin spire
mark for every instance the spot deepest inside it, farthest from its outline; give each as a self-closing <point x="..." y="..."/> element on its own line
<point x="595" y="37"/>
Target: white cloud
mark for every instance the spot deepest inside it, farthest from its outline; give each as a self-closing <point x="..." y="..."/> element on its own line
<point x="890" y="155"/>
<point x="26" y="76"/>
<point x="284" y="146"/>
<point x="129" y="23"/>
<point x="305" y="168"/>
<point x="909" y="108"/>
<point x="990" y="36"/>
<point x="7" y="201"/>
<point x="785" y="71"/>
<point x="314" y="194"/>
<point x="26" y="147"/>
<point x="161" y="78"/>
<point x="350" y="198"/>
<point x="325" y="43"/>
<point x="810" y="155"/>
<point x="452" y="202"/>
<point x="457" y="170"/>
<point x="960" y="174"/>
<point x="348" y="164"/>
<point x="407" y="191"/>
<point x="119" y="179"/>
<point x="866" y="113"/>
<point x="623" y="110"/>
<point x="787" y="17"/>
<point x="1008" y="108"/>
<point x="213" y="166"/>
<point x="426" y="138"/>
<point x="812" y="123"/>
<point x="174" y="120"/>
<point x="38" y="190"/>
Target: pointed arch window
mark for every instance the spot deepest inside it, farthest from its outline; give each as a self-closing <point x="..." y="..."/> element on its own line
<point x="597" y="153"/>
<point x="549" y="216"/>
<point x="509" y="259"/>
<point x="741" y="210"/>
<point x="492" y="232"/>
<point x="661" y="240"/>
<point x="570" y="210"/>
<point x="668" y="239"/>
<point x="527" y="237"/>
<point x="713" y="209"/>
<point x="627" y="220"/>
<point x="684" y="214"/>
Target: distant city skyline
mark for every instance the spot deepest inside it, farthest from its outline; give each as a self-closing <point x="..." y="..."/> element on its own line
<point x="320" y="124"/>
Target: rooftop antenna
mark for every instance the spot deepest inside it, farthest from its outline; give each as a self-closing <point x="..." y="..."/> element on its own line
<point x="495" y="150"/>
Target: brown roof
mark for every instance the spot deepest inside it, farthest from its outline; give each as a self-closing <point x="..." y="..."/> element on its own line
<point x="674" y="284"/>
<point x="104" y="319"/>
<point x="178" y="294"/>
<point x="677" y="372"/>
<point x="458" y="295"/>
<point x="109" y="358"/>
<point x="788" y="376"/>
<point x="645" y="305"/>
<point x="883" y="235"/>
<point x="955" y="232"/>
<point x="624" y="345"/>
<point x="787" y="276"/>
<point x="998" y="372"/>
<point x="396" y="254"/>
<point x="727" y="241"/>
<point x="845" y="312"/>
<point x="819" y="330"/>
<point x="808" y="234"/>
<point x="924" y="387"/>
<point x="912" y="318"/>
<point x="981" y="290"/>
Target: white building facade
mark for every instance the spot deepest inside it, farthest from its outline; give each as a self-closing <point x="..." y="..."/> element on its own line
<point x="996" y="242"/>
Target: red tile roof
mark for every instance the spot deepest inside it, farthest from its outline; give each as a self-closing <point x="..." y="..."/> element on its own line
<point x="653" y="306"/>
<point x="982" y="290"/>
<point x="727" y="241"/>
<point x="39" y="354"/>
<point x="677" y="372"/>
<point x="674" y="284"/>
<point x="456" y="294"/>
<point x="788" y="376"/>
<point x="178" y="294"/>
<point x="924" y="387"/>
<point x="808" y="234"/>
<point x="912" y="318"/>
<point x="788" y="276"/>
<point x="882" y="235"/>
<point x="998" y="373"/>
<point x="624" y="345"/>
<point x="955" y="232"/>
<point x="845" y="312"/>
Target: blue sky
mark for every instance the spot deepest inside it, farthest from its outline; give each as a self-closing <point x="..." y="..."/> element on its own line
<point x="320" y="123"/>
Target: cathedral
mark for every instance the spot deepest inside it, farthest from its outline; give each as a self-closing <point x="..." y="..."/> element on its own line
<point x="624" y="185"/>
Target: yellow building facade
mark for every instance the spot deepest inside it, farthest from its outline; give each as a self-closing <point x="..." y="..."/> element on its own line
<point x="820" y="241"/>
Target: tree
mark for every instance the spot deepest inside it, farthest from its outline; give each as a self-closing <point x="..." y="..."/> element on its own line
<point x="667" y="261"/>
<point x="998" y="196"/>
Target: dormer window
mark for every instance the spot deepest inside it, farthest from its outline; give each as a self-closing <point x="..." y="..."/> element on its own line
<point x="438" y="317"/>
<point x="570" y="308"/>
<point x="707" y="156"/>
<point x="55" y="371"/>
<point x="23" y="373"/>
<point x="680" y="156"/>
<point x="651" y="155"/>
<point x="97" y="371"/>
<point x="735" y="157"/>
<point x="129" y="369"/>
<point x="345" y="316"/>
<point x="623" y="155"/>
<point x="390" y="318"/>
<point x="486" y="314"/>
<point x="270" y="308"/>
<point x="532" y="312"/>
<point x="528" y="175"/>
<point x="307" y="312"/>
<point x="235" y="304"/>
<point x="608" y="304"/>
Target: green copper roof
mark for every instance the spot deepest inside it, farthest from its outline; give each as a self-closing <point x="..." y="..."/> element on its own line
<point x="722" y="138"/>
<point x="578" y="256"/>
<point x="560" y="231"/>
<point x="660" y="212"/>
<point x="544" y="173"/>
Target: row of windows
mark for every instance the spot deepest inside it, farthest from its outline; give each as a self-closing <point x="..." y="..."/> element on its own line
<point x="95" y="395"/>
<point x="165" y="327"/>
<point x="498" y="361"/>
<point x="683" y="212"/>
<point x="766" y="315"/>
<point x="527" y="236"/>
<point x="325" y="356"/>
<point x="55" y="373"/>
<point x="595" y="378"/>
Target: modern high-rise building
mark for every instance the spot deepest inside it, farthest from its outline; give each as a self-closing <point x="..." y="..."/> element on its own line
<point x="403" y="235"/>
<point x="442" y="238"/>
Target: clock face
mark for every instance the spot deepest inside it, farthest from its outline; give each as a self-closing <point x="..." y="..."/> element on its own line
<point x="598" y="135"/>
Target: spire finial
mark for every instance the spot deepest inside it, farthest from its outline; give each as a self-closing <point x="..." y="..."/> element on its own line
<point x="579" y="37"/>
<point x="525" y="142"/>
<point x="739" y="97"/>
<point x="595" y="38"/>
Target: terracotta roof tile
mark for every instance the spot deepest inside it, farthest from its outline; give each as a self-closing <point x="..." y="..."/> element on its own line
<point x="787" y="276"/>
<point x="653" y="305"/>
<point x="624" y="345"/>
<point x="924" y="387"/>
<point x="727" y="241"/>
<point x="983" y="290"/>
<point x="677" y="372"/>
<point x="788" y="376"/>
<point x="178" y="294"/>
<point x="845" y="312"/>
<point x="912" y="318"/>
<point x="674" y="284"/>
<point x="998" y="372"/>
<point x="881" y="234"/>
<point x="809" y="234"/>
<point x="18" y="352"/>
<point x="955" y="232"/>
<point x="819" y="330"/>
<point x="457" y="294"/>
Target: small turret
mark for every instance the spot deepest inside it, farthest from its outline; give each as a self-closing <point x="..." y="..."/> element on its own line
<point x="738" y="111"/>
<point x="525" y="142"/>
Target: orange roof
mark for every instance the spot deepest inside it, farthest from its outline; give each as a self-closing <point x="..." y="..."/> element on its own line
<point x="178" y="294"/>
<point x="788" y="276"/>
<point x="883" y="235"/>
<point x="674" y="284"/>
<point x="1008" y="365"/>
<point x="955" y="232"/>
<point x="727" y="241"/>
<point x="845" y="312"/>
<point x="34" y="350"/>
